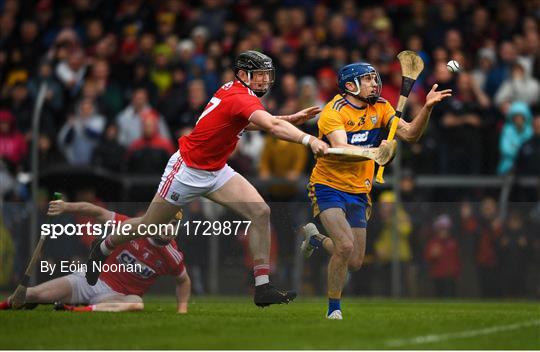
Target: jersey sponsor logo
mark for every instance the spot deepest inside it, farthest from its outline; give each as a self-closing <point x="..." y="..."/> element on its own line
<point x="359" y="137"/>
<point x="227" y="85"/>
<point x="367" y="183"/>
<point x="350" y="123"/>
<point x="127" y="258"/>
<point x="374" y="119"/>
<point x="175" y="196"/>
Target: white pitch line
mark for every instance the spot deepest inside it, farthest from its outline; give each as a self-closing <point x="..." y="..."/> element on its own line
<point x="458" y="335"/>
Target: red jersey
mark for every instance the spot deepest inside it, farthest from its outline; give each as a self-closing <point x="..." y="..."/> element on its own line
<point x="155" y="260"/>
<point x="219" y="127"/>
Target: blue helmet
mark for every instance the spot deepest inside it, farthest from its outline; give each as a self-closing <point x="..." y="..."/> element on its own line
<point x="352" y="73"/>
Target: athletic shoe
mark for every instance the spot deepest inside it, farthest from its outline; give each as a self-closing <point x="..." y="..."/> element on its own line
<point x="335" y="315"/>
<point x="97" y="257"/>
<point x="267" y="294"/>
<point x="60" y="306"/>
<point x="309" y="231"/>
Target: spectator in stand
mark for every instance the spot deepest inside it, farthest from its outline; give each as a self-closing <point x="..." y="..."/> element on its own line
<point x="129" y="120"/>
<point x="486" y="62"/>
<point x="487" y="261"/>
<point x="516" y="130"/>
<point x="13" y="147"/>
<point x="442" y="255"/>
<point x="519" y="86"/>
<point x="109" y="95"/>
<point x="109" y="154"/>
<point x="514" y="251"/>
<point x="81" y="133"/>
<point x="71" y="72"/>
<point x="462" y="127"/>
<point x="174" y="102"/>
<point x="54" y="98"/>
<point x="467" y="235"/>
<point x="528" y="160"/>
<point x="326" y="79"/>
<point x="383" y="228"/>
<point x="197" y="100"/>
<point x="48" y="154"/>
<point x="150" y="152"/>
<point x="501" y="72"/>
<point x="160" y="73"/>
<point x="29" y="43"/>
<point x="141" y="79"/>
<point x="20" y="105"/>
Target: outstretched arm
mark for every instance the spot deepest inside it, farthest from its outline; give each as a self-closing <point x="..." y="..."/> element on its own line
<point x="412" y="131"/>
<point x="296" y="119"/>
<point x="58" y="207"/>
<point x="286" y="131"/>
<point x="183" y="292"/>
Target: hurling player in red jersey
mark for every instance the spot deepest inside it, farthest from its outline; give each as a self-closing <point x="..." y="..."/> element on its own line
<point x="199" y="168"/>
<point x="114" y="291"/>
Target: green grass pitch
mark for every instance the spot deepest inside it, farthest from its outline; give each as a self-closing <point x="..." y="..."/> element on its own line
<point x="235" y="323"/>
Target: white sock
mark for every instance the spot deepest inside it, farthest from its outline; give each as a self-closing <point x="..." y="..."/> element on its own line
<point x="261" y="280"/>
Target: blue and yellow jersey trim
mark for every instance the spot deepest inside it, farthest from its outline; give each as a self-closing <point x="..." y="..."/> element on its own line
<point x="364" y="127"/>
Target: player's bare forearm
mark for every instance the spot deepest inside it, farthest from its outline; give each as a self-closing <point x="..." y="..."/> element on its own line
<point x="253" y="127"/>
<point x="183" y="292"/>
<point x="412" y="131"/>
<point x="58" y="207"/>
<point x="287" y="132"/>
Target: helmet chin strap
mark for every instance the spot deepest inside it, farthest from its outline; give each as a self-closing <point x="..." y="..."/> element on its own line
<point x="246" y="84"/>
<point x="370" y="100"/>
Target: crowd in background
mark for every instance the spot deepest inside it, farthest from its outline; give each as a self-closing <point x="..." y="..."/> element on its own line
<point x="126" y="78"/>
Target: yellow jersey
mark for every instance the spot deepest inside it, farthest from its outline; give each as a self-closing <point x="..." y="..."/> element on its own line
<point x="363" y="126"/>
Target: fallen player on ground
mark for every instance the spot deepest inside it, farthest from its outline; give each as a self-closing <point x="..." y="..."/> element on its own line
<point x="114" y="291"/>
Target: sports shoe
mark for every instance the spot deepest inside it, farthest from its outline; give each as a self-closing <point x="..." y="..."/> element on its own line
<point x="309" y="231"/>
<point x="60" y="306"/>
<point x="95" y="256"/>
<point x="335" y="315"/>
<point x="267" y="294"/>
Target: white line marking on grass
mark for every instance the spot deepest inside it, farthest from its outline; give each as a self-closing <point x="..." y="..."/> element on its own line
<point x="459" y="335"/>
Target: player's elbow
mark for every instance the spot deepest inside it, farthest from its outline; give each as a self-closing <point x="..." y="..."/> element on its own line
<point x="411" y="137"/>
<point x="414" y="138"/>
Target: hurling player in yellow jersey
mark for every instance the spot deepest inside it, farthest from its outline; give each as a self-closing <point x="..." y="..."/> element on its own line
<point x="339" y="190"/>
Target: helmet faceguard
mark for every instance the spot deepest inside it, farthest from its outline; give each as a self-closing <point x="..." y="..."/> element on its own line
<point x="259" y="69"/>
<point x="357" y="73"/>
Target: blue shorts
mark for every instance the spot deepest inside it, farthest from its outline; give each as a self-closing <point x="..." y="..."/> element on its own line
<point x="357" y="207"/>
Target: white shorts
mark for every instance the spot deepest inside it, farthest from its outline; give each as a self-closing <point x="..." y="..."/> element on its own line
<point x="83" y="293"/>
<point x="180" y="184"/>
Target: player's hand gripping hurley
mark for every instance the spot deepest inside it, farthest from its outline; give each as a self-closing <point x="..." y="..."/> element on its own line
<point x="411" y="67"/>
